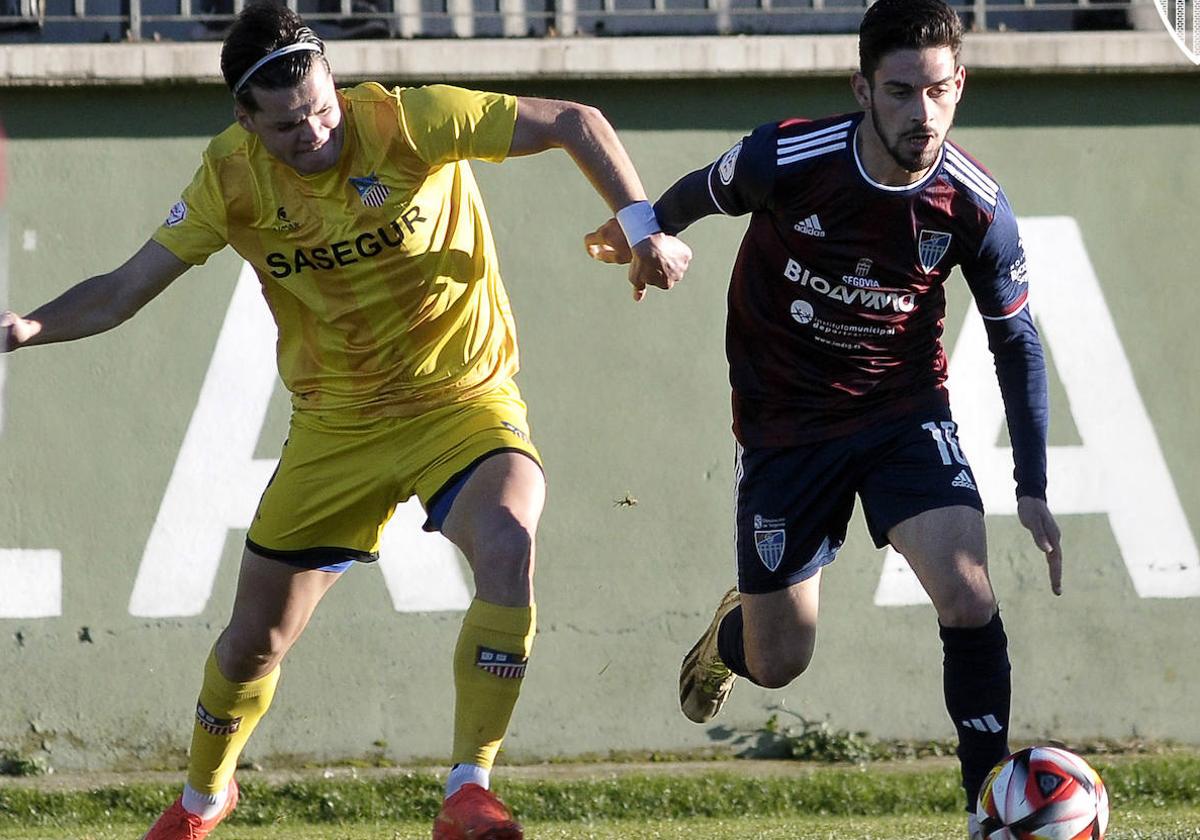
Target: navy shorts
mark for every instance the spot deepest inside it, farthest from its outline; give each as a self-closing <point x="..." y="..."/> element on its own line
<point x="793" y="503"/>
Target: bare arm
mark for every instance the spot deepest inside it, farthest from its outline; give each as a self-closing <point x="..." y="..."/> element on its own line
<point x="96" y="304"/>
<point x="584" y="133"/>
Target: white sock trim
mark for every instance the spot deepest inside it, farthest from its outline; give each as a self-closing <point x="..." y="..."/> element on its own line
<point x="467" y="774"/>
<point x="204" y="805"/>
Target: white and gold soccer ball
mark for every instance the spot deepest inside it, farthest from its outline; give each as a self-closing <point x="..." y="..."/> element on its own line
<point x="1043" y="793"/>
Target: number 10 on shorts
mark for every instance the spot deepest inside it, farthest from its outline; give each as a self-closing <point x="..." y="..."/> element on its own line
<point x="945" y="435"/>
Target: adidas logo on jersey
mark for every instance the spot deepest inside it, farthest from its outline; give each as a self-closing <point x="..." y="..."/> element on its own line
<point x="963" y="479"/>
<point x="810" y="226"/>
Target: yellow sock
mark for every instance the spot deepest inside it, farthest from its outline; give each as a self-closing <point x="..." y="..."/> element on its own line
<point x="489" y="665"/>
<point x="226" y="714"/>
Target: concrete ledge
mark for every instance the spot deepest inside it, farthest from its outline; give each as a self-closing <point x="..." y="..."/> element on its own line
<point x="587" y="58"/>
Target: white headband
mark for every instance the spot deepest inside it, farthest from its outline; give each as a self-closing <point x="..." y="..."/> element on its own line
<point x="271" y="56"/>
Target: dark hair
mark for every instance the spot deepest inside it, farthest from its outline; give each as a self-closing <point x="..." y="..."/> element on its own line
<point x="259" y="30"/>
<point x="891" y="25"/>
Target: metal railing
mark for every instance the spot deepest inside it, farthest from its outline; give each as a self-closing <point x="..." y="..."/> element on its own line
<point x="182" y="20"/>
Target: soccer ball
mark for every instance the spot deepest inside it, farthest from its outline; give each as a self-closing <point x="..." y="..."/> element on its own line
<point x="1043" y="793"/>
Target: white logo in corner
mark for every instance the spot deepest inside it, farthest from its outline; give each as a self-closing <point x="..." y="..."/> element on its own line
<point x="1176" y="15"/>
<point x="728" y="164"/>
<point x="177" y="214"/>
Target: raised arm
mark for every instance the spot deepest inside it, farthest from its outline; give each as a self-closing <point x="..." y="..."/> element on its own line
<point x="738" y="182"/>
<point x="686" y="201"/>
<point x="584" y="133"/>
<point x="96" y="304"/>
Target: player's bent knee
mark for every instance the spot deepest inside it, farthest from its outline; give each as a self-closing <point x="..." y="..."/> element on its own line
<point x="506" y="547"/>
<point x="776" y="672"/>
<point x="773" y="676"/>
<point x="245" y="654"/>
<point x="967" y="610"/>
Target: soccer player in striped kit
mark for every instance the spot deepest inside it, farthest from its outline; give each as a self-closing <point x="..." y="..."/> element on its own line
<point x="833" y="339"/>
<point x="359" y="213"/>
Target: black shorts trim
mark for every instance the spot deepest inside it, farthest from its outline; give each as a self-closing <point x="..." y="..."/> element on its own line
<point x="314" y="558"/>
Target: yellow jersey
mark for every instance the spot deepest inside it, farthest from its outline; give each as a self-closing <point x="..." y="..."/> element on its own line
<point x="380" y="272"/>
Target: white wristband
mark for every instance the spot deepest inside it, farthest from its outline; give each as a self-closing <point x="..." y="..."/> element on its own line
<point x="638" y="222"/>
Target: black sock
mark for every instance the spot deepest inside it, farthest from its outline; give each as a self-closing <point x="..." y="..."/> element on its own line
<point x="729" y="643"/>
<point x="977" y="682"/>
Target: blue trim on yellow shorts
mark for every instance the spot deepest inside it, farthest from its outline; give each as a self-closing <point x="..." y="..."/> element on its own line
<point x="440" y="502"/>
<point x="323" y="558"/>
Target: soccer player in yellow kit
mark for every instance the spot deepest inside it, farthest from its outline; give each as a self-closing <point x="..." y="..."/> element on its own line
<point x="360" y="215"/>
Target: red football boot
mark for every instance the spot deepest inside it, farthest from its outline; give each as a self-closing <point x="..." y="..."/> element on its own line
<point x="177" y="823"/>
<point x="474" y="813"/>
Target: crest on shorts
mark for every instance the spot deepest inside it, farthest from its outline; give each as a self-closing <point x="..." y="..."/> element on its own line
<point x="769" y="545"/>
<point x="932" y="245"/>
<point x="1182" y="21"/>
<point x="370" y="190"/>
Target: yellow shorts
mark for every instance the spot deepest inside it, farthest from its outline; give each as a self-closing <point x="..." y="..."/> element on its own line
<point x="340" y="478"/>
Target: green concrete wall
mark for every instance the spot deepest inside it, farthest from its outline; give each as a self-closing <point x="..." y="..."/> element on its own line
<point x="626" y="401"/>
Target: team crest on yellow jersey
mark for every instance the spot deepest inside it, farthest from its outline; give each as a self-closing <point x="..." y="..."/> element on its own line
<point x="370" y="190"/>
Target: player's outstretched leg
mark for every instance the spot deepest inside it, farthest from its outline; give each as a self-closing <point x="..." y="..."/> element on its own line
<point x="947" y="550"/>
<point x="493" y="520"/>
<point x="489" y="666"/>
<point x="978" y="687"/>
<point x="273" y="604"/>
<point x="226" y="714"/>
<point x="704" y="679"/>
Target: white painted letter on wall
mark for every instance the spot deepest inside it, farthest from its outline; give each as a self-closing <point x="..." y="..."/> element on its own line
<point x="217" y="481"/>
<point x="30" y="583"/>
<point x="1118" y="469"/>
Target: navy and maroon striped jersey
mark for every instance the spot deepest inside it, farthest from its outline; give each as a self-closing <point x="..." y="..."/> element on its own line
<point x="837" y="297"/>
